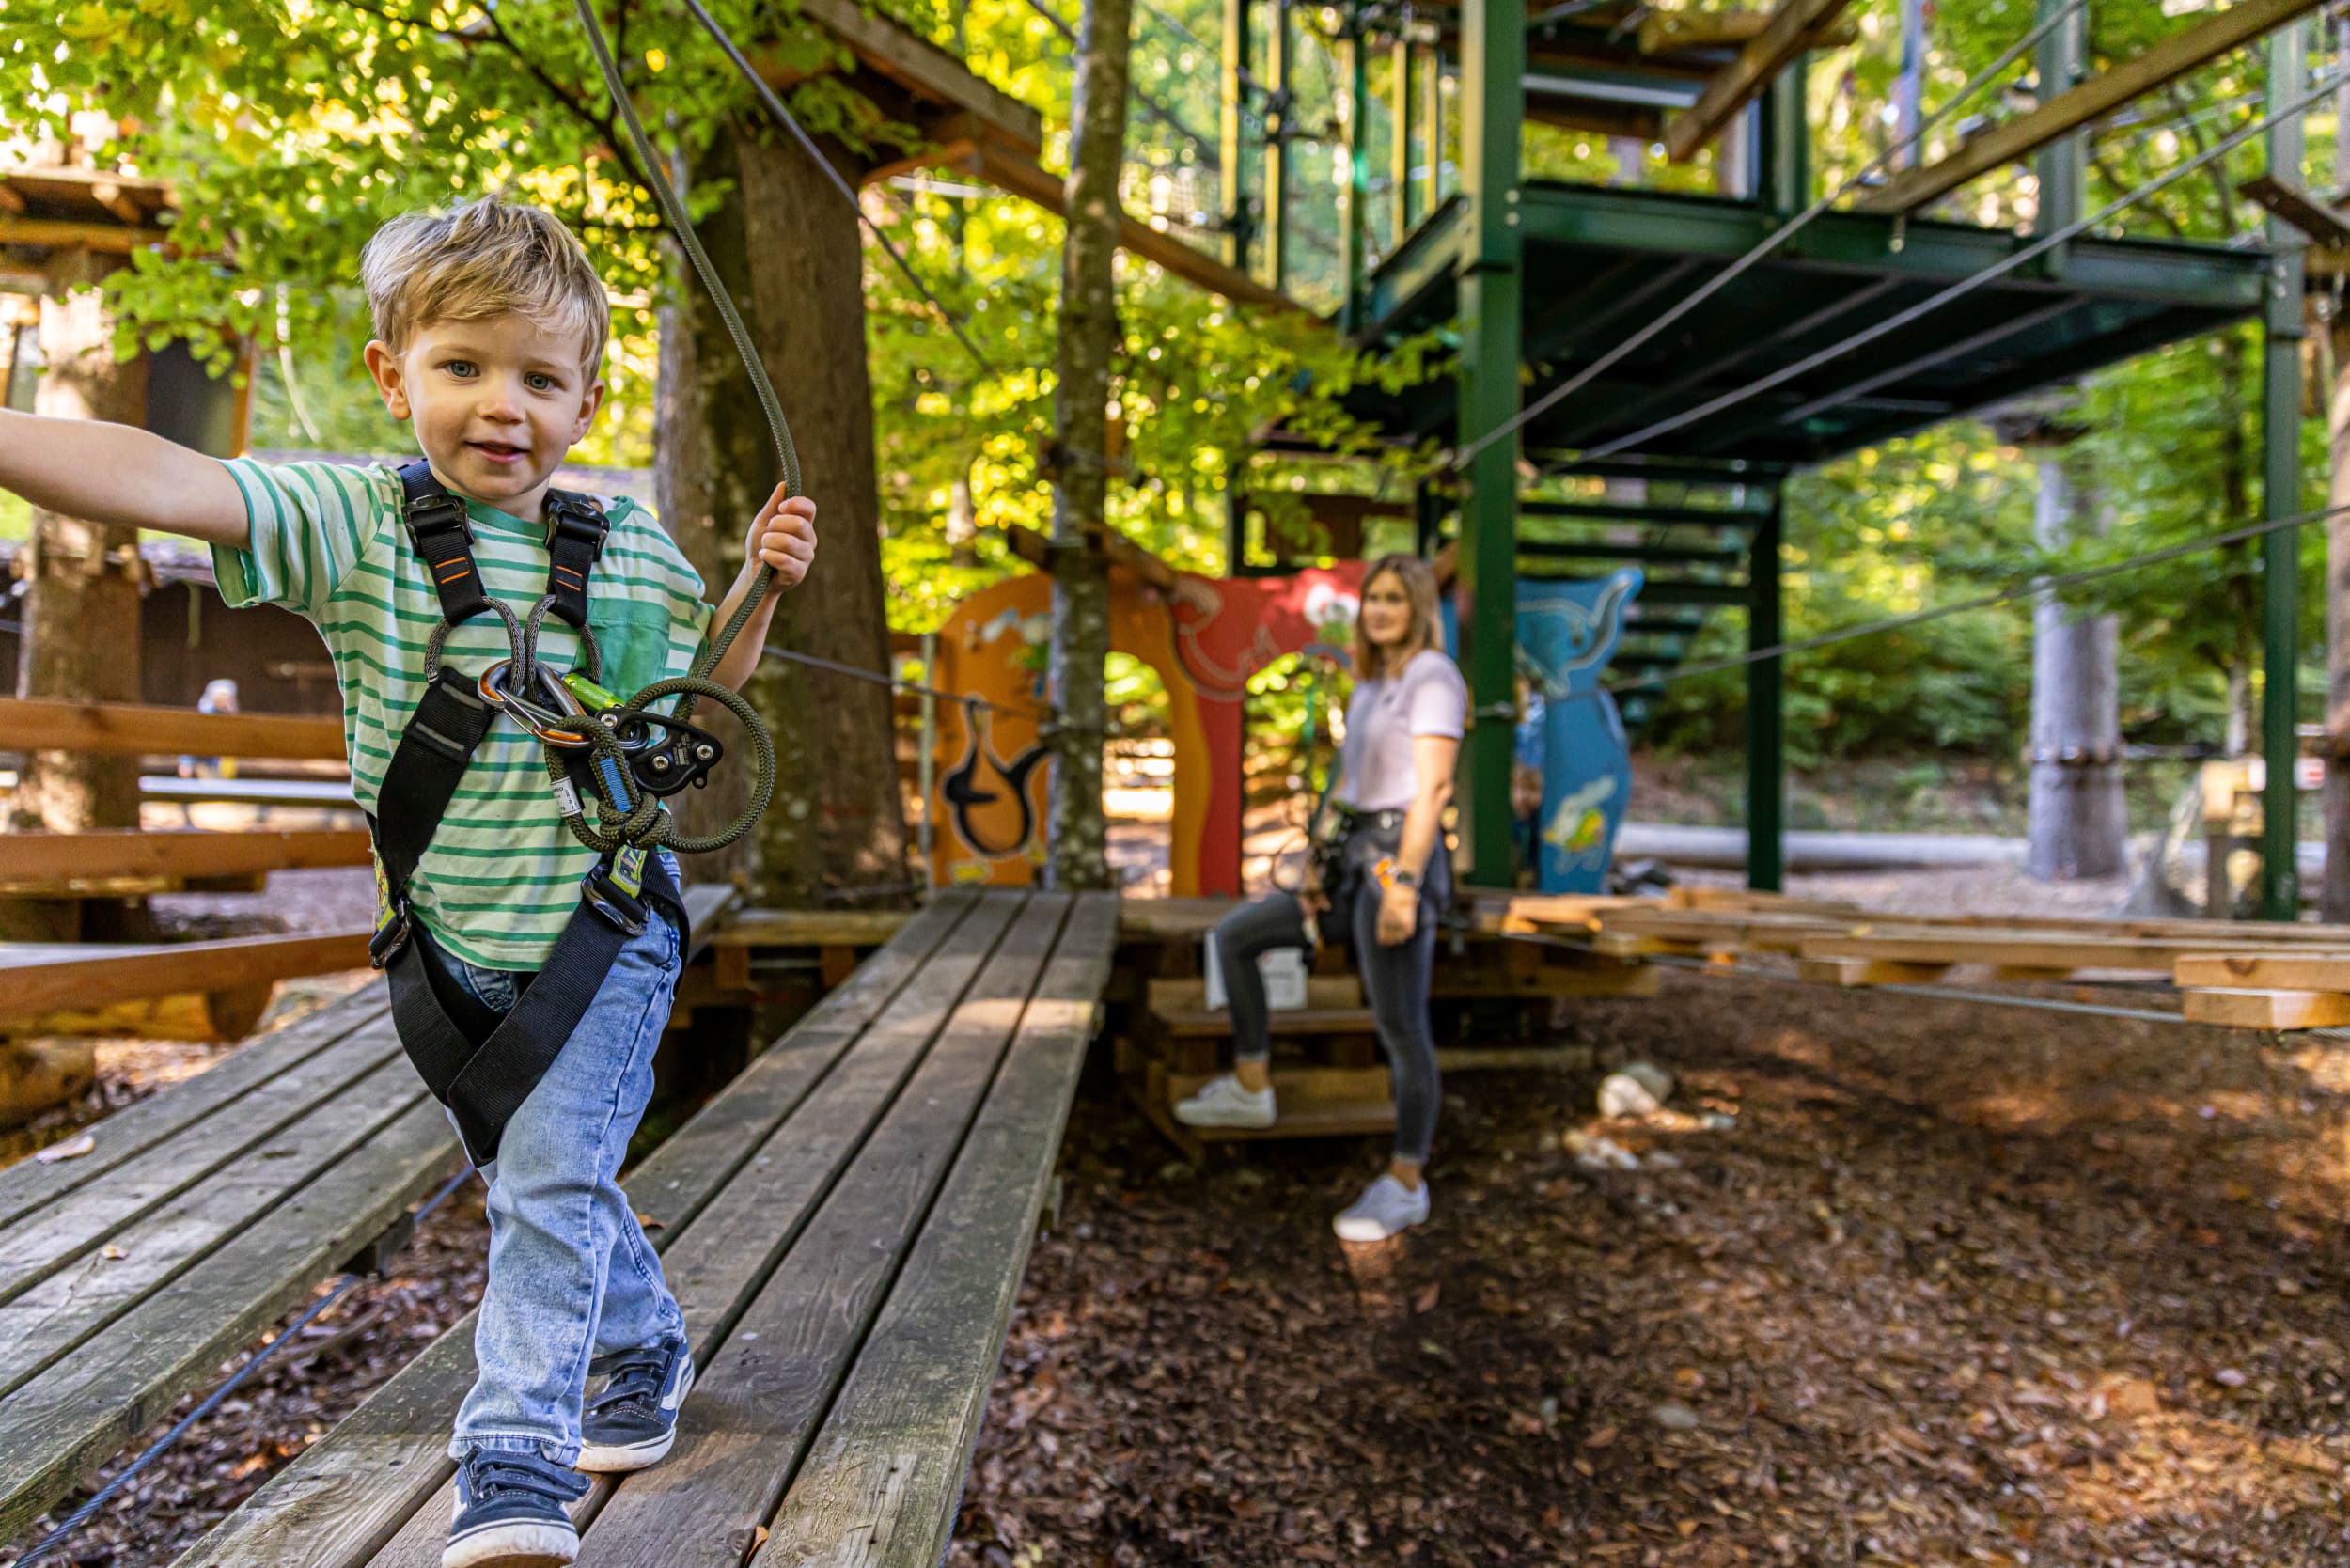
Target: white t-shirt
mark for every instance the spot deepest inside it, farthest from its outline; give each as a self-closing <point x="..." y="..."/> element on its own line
<point x="1375" y="768"/>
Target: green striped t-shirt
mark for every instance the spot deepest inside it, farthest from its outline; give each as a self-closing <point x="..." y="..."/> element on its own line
<point x="502" y="874"/>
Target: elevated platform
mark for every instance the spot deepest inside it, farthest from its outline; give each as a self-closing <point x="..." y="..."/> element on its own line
<point x="1600" y="264"/>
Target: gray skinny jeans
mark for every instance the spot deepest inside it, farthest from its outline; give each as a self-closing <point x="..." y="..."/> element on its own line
<point x="1396" y="980"/>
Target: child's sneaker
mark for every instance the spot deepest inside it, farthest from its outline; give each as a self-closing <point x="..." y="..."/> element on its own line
<point x="1386" y="1208"/>
<point x="1222" y="1102"/>
<point x="511" y="1515"/>
<point x="632" y="1422"/>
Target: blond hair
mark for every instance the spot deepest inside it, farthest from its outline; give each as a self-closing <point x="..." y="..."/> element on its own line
<point x="488" y="258"/>
<point x="1426" y="630"/>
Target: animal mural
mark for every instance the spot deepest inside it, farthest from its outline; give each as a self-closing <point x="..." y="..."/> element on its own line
<point x="1567" y="632"/>
<point x="1205" y="638"/>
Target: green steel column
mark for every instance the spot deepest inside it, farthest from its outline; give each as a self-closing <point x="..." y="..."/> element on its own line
<point x="1357" y="165"/>
<point x="2280" y="497"/>
<point x="1493" y="112"/>
<point x="1231" y="143"/>
<point x="1766" y="725"/>
<point x="2062" y="166"/>
<point x="1785" y="167"/>
<point x="1277" y="118"/>
<point x="1400" y="140"/>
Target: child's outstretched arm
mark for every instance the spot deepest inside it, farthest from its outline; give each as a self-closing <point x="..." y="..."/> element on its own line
<point x="120" y="475"/>
<point x="783" y="536"/>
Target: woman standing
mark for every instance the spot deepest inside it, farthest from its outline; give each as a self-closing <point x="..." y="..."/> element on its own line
<point x="1403" y="728"/>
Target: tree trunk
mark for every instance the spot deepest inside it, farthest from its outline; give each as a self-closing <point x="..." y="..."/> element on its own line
<point x="837" y="820"/>
<point x="80" y="606"/>
<point x="1089" y="337"/>
<point x="2079" y="820"/>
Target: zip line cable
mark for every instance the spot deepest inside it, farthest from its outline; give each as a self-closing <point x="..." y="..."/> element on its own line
<point x="1966" y="284"/>
<point x="82" y="1515"/>
<point x="1770" y="243"/>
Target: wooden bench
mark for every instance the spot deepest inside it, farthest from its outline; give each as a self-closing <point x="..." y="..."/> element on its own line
<point x="845" y="1226"/>
<point x="197" y="1217"/>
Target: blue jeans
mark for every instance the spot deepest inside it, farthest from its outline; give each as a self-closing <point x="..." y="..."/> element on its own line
<point x="1396" y="981"/>
<point x="572" y="1275"/>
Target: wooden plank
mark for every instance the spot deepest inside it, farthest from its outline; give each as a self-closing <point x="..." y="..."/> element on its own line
<point x="1739" y="83"/>
<point x="1867" y="971"/>
<point x="813" y="928"/>
<point x="880" y="1484"/>
<point x="756" y="1405"/>
<point x="133" y="729"/>
<point x="83" y="1408"/>
<point x="2032" y="950"/>
<point x="351" y="1491"/>
<point x="1298" y="1085"/>
<point x="2268" y="1009"/>
<point x="2174" y="56"/>
<point x="1201" y="1024"/>
<point x="2274" y="971"/>
<point x="2295" y="207"/>
<point x="42" y="1325"/>
<point x="52" y="234"/>
<point x="710" y="908"/>
<point x="1322" y="992"/>
<point x="66" y="857"/>
<point x="45" y="977"/>
<point x="28" y="1184"/>
<point x="47" y="1240"/>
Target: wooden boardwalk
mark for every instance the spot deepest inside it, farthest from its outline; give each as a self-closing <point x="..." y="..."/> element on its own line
<point x="845" y="1226"/>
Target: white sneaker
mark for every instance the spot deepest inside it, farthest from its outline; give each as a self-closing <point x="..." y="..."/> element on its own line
<point x="1222" y="1102"/>
<point x="1386" y="1208"/>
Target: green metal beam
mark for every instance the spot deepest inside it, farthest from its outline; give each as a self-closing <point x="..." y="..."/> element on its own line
<point x="1786" y="162"/>
<point x="1357" y="170"/>
<point x="2280" y="497"/>
<point x="1231" y="143"/>
<point x="1766" y="720"/>
<point x="1493" y="112"/>
<point x="1661" y="555"/>
<point x="1642" y="511"/>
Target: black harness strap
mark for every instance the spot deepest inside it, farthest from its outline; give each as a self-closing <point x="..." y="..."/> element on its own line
<point x="480" y="1066"/>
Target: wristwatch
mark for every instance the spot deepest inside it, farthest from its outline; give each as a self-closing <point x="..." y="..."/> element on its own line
<point x="1399" y="877"/>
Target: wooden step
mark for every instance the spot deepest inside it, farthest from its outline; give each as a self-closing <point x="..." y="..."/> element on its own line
<point x="2246" y="1008"/>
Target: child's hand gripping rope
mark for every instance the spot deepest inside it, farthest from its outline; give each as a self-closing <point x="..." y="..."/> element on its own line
<point x="783" y="536"/>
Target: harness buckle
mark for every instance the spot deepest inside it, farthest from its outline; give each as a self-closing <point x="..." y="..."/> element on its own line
<point x="389" y="937"/>
<point x="603" y="894"/>
<point x="437" y="513"/>
<point x="582" y="522"/>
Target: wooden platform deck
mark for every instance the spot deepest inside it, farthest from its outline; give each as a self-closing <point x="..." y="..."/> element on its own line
<point x="196" y="1218"/>
<point x="845" y="1224"/>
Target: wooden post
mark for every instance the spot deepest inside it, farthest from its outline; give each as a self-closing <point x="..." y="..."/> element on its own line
<point x="1239" y="224"/>
<point x="1399" y="141"/>
<point x="80" y="605"/>
<point x="1089" y="337"/>
<point x="1279" y="117"/>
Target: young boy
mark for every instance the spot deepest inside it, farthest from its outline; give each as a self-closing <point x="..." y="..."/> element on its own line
<point x="491" y="326"/>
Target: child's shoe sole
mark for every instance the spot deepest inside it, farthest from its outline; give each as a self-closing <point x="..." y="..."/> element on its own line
<point x="514" y="1545"/>
<point x="619" y="1459"/>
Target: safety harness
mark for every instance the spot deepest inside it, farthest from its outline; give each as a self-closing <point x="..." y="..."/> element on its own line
<point x="482" y="1066"/>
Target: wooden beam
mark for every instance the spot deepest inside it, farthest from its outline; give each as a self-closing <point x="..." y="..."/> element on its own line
<point x="1599" y="117"/>
<point x="9" y="201"/>
<point x="2268" y="1009"/>
<point x="1037" y="551"/>
<point x="2271" y="970"/>
<point x="1671" y="32"/>
<point x="110" y="194"/>
<point x="128" y="729"/>
<point x="2297" y="208"/>
<point x="128" y="853"/>
<point x="1739" y="83"/>
<point x="924" y="69"/>
<point x="51" y="234"/>
<point x="46" y="976"/>
<point x="2173" y="58"/>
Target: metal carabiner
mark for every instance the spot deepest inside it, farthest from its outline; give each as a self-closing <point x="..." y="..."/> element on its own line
<point x="560" y="725"/>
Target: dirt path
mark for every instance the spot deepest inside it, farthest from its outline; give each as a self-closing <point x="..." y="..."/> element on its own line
<point x="1954" y="1286"/>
